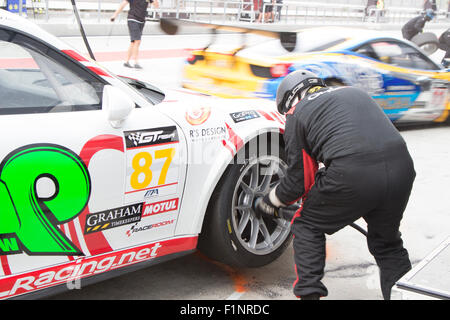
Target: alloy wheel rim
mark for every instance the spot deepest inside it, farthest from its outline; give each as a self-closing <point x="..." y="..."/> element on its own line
<point x="258" y="235"/>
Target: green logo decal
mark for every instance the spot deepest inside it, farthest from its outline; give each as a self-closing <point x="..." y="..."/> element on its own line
<point x="28" y="223"/>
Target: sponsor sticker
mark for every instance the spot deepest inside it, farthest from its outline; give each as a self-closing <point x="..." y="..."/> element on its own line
<point x="136" y="228"/>
<point x="198" y="115"/>
<point x="244" y="115"/>
<point x="150" y="137"/>
<point x="152" y="167"/>
<point x="70" y="272"/>
<point x="113" y="218"/>
<point x="160" y="207"/>
<point x="151" y="193"/>
<point x="208" y="134"/>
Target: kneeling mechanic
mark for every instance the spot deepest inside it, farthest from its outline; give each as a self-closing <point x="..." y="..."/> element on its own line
<point x="368" y="172"/>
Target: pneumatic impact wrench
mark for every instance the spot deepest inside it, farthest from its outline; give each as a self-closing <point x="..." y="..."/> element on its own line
<point x="287" y="213"/>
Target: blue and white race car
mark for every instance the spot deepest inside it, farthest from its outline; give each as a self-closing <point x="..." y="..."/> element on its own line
<point x="405" y="82"/>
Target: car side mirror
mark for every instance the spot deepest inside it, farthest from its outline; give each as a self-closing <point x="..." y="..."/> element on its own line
<point x="117" y="105"/>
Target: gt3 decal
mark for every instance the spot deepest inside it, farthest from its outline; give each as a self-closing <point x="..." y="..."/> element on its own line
<point x="149" y="137"/>
<point x="29" y="220"/>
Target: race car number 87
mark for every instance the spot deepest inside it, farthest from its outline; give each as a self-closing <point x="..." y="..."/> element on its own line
<point x="141" y="163"/>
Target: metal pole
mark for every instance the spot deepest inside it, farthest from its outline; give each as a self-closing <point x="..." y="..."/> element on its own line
<point x="83" y="34"/>
<point x="99" y="8"/>
<point x="224" y="11"/>
<point x="210" y="12"/>
<point x="263" y="12"/>
<point x="46" y="10"/>
<point x="195" y="10"/>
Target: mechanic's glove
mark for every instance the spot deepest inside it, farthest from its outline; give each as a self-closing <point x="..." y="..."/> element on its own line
<point x="269" y="205"/>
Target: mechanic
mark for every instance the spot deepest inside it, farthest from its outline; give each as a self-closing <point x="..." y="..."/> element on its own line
<point x="136" y="23"/>
<point x="416" y="25"/>
<point x="367" y="172"/>
<point x="444" y="44"/>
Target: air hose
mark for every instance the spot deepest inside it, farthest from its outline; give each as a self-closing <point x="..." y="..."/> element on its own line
<point x="287" y="213"/>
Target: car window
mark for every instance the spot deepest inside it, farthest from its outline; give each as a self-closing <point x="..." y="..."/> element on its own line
<point x="399" y="54"/>
<point x="34" y="79"/>
<point x="367" y="51"/>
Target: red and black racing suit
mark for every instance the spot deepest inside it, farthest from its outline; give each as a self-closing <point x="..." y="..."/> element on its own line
<point x="368" y="173"/>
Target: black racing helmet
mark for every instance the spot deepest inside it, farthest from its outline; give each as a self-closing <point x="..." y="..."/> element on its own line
<point x="293" y="85"/>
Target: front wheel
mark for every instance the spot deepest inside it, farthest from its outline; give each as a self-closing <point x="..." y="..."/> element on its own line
<point x="232" y="232"/>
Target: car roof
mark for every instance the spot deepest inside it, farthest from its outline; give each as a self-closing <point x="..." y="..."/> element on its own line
<point x="353" y="36"/>
<point x="17" y="22"/>
<point x="315" y="39"/>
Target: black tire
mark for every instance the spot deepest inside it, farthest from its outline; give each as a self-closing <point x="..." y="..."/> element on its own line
<point x="221" y="238"/>
<point x="427" y="41"/>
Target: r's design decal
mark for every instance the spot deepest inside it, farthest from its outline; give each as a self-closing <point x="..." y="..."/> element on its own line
<point x="29" y="220"/>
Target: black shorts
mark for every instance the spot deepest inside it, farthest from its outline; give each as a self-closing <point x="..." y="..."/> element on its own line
<point x="135" y="30"/>
<point x="268" y="8"/>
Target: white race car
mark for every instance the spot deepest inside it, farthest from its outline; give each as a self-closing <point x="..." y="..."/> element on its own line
<point x="101" y="173"/>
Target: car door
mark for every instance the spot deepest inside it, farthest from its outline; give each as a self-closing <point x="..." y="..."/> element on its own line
<point x="408" y="85"/>
<point x="72" y="185"/>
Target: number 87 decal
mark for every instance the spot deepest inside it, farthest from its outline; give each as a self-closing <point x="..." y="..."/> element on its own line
<point x="142" y="168"/>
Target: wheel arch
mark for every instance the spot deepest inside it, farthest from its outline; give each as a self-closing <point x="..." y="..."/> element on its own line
<point x="217" y="173"/>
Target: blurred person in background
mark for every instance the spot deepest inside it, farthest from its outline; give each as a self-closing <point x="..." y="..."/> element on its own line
<point x="371" y="4"/>
<point x="416" y="25"/>
<point x="136" y="22"/>
<point x="276" y="12"/>
<point x="266" y="10"/>
<point x="427" y="4"/>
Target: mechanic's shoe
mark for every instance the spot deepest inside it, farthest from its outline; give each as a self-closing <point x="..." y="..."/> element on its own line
<point x="311" y="296"/>
<point x="138" y="66"/>
<point x="446" y="62"/>
<point x="127" y="64"/>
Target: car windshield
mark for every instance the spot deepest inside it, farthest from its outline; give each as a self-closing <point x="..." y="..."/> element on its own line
<point x="35" y="82"/>
<point x="307" y="41"/>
